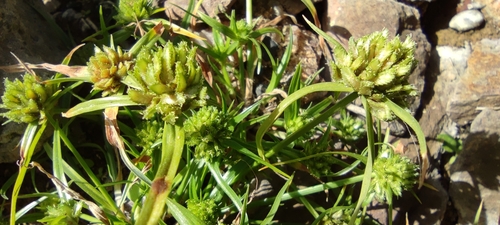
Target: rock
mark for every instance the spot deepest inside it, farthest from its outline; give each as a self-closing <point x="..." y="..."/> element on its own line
<point x="476" y="171"/>
<point x="175" y="9"/>
<point x="467" y="20"/>
<point x="491" y="9"/>
<point x="408" y="210"/>
<point x="478" y="87"/>
<point x="32" y="40"/>
<point x="355" y="18"/>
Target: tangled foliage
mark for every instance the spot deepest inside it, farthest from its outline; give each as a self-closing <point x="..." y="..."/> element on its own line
<point x="204" y="130"/>
<point x="348" y="128"/>
<point x="167" y="80"/>
<point x="57" y="212"/>
<point x="26" y="100"/>
<point x="107" y="68"/>
<point x="378" y="69"/>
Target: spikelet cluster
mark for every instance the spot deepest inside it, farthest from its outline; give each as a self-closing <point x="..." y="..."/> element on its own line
<point x="167" y="80"/>
<point x="391" y="175"/>
<point x="25" y="101"/>
<point x="377" y="68"/>
<point x="107" y="68"/>
<point x="204" y="131"/>
<point x="130" y="11"/>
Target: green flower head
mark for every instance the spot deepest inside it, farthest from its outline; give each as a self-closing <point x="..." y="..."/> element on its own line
<point x="392" y="174"/>
<point x="26" y="101"/>
<point x="205" y="210"/>
<point x="167" y="80"/>
<point x="204" y="130"/>
<point x="107" y="67"/>
<point x="377" y="68"/>
<point x="130" y="11"/>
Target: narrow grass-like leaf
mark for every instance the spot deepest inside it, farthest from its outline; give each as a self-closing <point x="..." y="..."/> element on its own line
<point x="29" y="141"/>
<point x="214" y="170"/>
<point x="99" y="104"/>
<point x="23" y="211"/>
<point x="255" y="157"/>
<point x="322" y="117"/>
<point x="277" y="201"/>
<point x="181" y="214"/>
<point x="280" y="70"/>
<point x="215" y="25"/>
<point x="478" y="213"/>
<point x="413" y="123"/>
<point x="304" y="192"/>
<point x="367" y="176"/>
<point x="334" y="43"/>
<point x="57" y="167"/>
<point x="327" y="86"/>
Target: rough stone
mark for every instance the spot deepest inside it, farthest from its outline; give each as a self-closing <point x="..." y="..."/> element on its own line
<point x="491" y="9"/>
<point x="478" y="87"/>
<point x="466" y="20"/>
<point x="175" y="9"/>
<point x="32" y="40"/>
<point x="475" y="174"/>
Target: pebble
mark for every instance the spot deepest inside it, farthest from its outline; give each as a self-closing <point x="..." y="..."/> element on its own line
<point x="466" y="20"/>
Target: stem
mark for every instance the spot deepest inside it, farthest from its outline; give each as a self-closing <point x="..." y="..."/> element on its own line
<point x="29" y="141"/>
<point x="172" y="147"/>
<point x="365" y="185"/>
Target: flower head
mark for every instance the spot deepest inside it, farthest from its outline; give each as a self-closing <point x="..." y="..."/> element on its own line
<point x="377" y="68"/>
<point x="130" y="11"/>
<point x="205" y="210"/>
<point x="107" y="67"/>
<point x="167" y="80"/>
<point x="26" y="101"/>
<point x="204" y="130"/>
<point x="392" y="173"/>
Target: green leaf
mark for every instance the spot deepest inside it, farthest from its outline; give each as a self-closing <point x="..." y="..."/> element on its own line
<point x="406" y="117"/>
<point x="277" y="201"/>
<point x="181" y="214"/>
<point x="99" y="104"/>
<point x="215" y="25"/>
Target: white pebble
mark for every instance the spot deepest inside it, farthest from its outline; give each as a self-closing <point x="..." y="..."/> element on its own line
<point x="466" y="20"/>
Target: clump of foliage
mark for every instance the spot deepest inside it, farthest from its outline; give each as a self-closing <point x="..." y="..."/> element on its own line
<point x="172" y="115"/>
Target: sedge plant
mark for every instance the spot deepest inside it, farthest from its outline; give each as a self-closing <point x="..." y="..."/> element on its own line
<point x="178" y="148"/>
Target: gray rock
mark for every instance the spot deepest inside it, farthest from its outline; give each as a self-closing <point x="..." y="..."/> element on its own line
<point x="476" y="171"/>
<point x="478" y="87"/>
<point x="32" y="40"/>
<point x="467" y="20"/>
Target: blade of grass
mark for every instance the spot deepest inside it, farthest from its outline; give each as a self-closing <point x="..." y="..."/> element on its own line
<point x="99" y="104"/>
<point x="181" y="214"/>
<point x="367" y="176"/>
<point x="327" y="86"/>
<point x="413" y="123"/>
<point x="277" y="201"/>
<point x="29" y="141"/>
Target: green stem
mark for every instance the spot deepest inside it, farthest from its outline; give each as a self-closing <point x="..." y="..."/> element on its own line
<point x="365" y="185"/>
<point x="28" y="143"/>
<point x="172" y="147"/>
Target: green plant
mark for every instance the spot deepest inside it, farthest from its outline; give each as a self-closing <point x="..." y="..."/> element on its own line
<point x="189" y="147"/>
